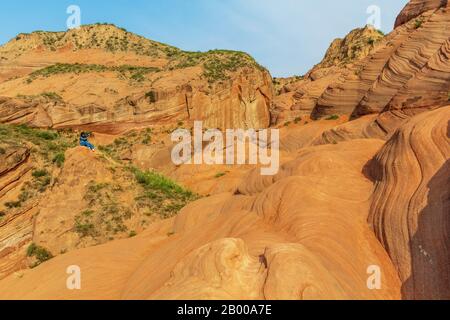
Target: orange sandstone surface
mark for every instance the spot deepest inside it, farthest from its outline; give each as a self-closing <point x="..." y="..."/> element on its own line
<point x="363" y="182"/>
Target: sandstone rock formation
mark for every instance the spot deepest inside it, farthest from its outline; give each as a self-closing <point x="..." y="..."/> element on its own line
<point x="362" y="186"/>
<point x="414" y="78"/>
<point x="411" y="204"/>
<point x="415" y="8"/>
<point x="407" y="69"/>
<point x="127" y="81"/>
<point x="388" y="75"/>
<point x="91" y="200"/>
<point x="16" y="229"/>
<point x="298" y="96"/>
<point x="259" y="243"/>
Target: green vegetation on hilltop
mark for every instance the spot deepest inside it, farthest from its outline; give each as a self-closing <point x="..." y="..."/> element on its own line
<point x="61" y="68"/>
<point x="216" y="68"/>
<point x="105" y="36"/>
<point x="132" y="72"/>
<point x="216" y="63"/>
<point x="354" y="46"/>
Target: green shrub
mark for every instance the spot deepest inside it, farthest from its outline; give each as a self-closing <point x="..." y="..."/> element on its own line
<point x="52" y="96"/>
<point x="13" y="204"/>
<point x="59" y="159"/>
<point x="156" y="181"/>
<point x="47" y="135"/>
<point x="160" y="194"/>
<point x="44" y="183"/>
<point x="31" y="249"/>
<point x="40" y="173"/>
<point x="147" y="139"/>
<point x="96" y="187"/>
<point x="40" y="253"/>
<point x="84" y="229"/>
<point x="120" y="141"/>
<point x="220" y="174"/>
<point x="88" y="213"/>
<point x="24" y="196"/>
<point x="333" y="117"/>
<point x="139" y="77"/>
<point x="106" y="216"/>
<point x="132" y="234"/>
<point x="42" y="180"/>
<point x="418" y="23"/>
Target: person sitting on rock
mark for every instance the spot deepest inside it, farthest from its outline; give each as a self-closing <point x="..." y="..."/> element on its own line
<point x="84" y="142"/>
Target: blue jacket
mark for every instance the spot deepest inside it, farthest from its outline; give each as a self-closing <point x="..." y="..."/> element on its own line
<point x="84" y="137"/>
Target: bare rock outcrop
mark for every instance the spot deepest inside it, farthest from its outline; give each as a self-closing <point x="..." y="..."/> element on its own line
<point x="298" y="96"/>
<point x="407" y="69"/>
<point x="351" y="200"/>
<point x="378" y="126"/>
<point x="415" y="8"/>
<point x="16" y="227"/>
<point x="410" y="207"/>
<point x="417" y="73"/>
<point x="103" y="78"/>
<point x="303" y="235"/>
<point x="241" y="102"/>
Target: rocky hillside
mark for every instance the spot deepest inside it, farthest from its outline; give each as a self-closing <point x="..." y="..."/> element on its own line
<point x="101" y="77"/>
<point x="407" y="70"/>
<point x="59" y="197"/>
<point x="296" y="97"/>
<point x="362" y="185"/>
<point x="106" y="37"/>
<point x="416" y="7"/>
<point x="358" y="44"/>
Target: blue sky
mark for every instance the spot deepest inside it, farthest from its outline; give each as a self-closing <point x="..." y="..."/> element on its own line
<point x="286" y="36"/>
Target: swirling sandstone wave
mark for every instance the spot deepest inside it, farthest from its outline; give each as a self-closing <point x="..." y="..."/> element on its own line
<point x="408" y="69"/>
<point x="411" y="204"/>
<point x="416" y="7"/>
<point x="302" y="235"/>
